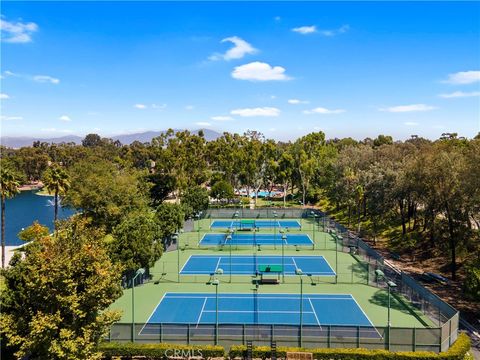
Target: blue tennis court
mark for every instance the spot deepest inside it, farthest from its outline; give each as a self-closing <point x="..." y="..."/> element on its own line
<point x="266" y="309"/>
<point x="261" y="224"/>
<point x="248" y="264"/>
<point x="255" y="239"/>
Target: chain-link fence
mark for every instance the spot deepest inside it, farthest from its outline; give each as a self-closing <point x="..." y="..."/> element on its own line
<point x="324" y="336"/>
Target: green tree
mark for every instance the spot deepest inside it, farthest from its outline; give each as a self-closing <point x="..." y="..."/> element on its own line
<point x="105" y="192"/>
<point x="57" y="181"/>
<point x="9" y="185"/>
<point x="92" y="140"/>
<point x="33" y="232"/>
<point x="383" y="140"/>
<point x="169" y="218"/>
<point x="194" y="199"/>
<point x="56" y="297"/>
<point x="222" y="190"/>
<point x="137" y="242"/>
<point x="161" y="186"/>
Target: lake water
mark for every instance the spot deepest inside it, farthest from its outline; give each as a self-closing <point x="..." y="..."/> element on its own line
<point x="24" y="209"/>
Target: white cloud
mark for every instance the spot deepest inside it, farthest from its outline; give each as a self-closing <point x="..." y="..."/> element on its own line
<point x="153" y="106"/>
<point x="37" y="78"/>
<point x="222" y="118"/>
<point x="277" y="18"/>
<point x="411" y="123"/>
<point x="323" y="111"/>
<point x="341" y="30"/>
<point x="250" y="112"/>
<point x="238" y="51"/>
<point x="189" y="107"/>
<point x="298" y="101"/>
<point x="4" y="96"/>
<point x="463" y="77"/>
<point x="65" y="118"/>
<point x="304" y="30"/>
<point x="272" y="129"/>
<point x="17" y="32"/>
<point x="408" y="108"/>
<point x="259" y="71"/>
<point x="203" y="123"/>
<point x="460" y="94"/>
<point x="10" y="118"/>
<point x="45" y="79"/>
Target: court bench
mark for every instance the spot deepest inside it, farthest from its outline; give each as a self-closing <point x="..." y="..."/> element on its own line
<point x="270" y="269"/>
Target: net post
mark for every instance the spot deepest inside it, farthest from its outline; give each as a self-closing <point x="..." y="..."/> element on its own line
<point x="188" y="334"/>
<point x="161" y="332"/>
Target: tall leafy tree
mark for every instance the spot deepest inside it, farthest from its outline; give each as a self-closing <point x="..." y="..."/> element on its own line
<point x="194" y="199"/>
<point x="136" y="242"/>
<point x="105" y="192"/>
<point x="56" y="297"/>
<point x="9" y="184"/>
<point x="57" y="182"/>
<point x="222" y="190"/>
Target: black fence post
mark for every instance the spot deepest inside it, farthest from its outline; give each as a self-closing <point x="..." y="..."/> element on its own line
<point x="273" y="348"/>
<point x="249" y="350"/>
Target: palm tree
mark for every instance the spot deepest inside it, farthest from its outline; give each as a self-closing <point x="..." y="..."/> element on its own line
<point x="9" y="184"/>
<point x="57" y="182"/>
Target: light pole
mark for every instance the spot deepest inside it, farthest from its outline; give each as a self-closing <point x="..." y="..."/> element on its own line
<point x="300" y="273"/>
<point x="140" y="271"/>
<point x="275" y="229"/>
<point x="284" y="239"/>
<point x="235" y="216"/>
<point x="177" y="241"/>
<point x="312" y="215"/>
<point x="390" y="284"/>
<point x="216" y="282"/>
<point x="229" y="239"/>
<point x="334" y="234"/>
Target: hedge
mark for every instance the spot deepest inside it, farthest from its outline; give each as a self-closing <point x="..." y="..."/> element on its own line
<point x="158" y="351"/>
<point x="457" y="351"/>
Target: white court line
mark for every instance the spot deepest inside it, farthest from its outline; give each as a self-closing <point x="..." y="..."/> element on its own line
<point x="181" y="270"/>
<point x="248" y="298"/>
<point x="333" y="271"/>
<point x="201" y="312"/>
<point x="218" y="263"/>
<point x="370" y="321"/>
<point x="295" y="263"/>
<point x="260" y="311"/>
<point x="153" y="312"/>
<point x="315" y="313"/>
<point x="247" y="272"/>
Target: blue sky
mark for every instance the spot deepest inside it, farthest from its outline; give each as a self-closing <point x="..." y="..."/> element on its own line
<point x="349" y="69"/>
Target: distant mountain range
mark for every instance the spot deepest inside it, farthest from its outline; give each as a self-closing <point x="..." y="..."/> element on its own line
<point x="21" y="141"/>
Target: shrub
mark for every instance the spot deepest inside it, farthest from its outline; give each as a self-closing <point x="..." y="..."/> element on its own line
<point x="457" y="351"/>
